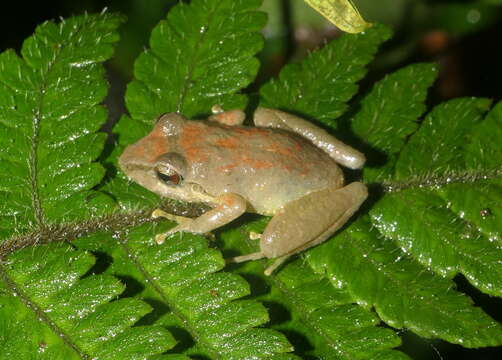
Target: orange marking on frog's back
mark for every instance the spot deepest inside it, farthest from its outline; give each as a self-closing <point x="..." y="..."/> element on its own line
<point x="251" y="131"/>
<point x="228" y="118"/>
<point x="150" y="147"/>
<point x="226" y="168"/>
<point x="159" y="146"/>
<point x="245" y="161"/>
<point x="256" y="164"/>
<point x="277" y="148"/>
<point x="190" y="142"/>
<point x="230" y="143"/>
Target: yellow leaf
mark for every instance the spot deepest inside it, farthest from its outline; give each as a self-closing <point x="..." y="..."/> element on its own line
<point x="342" y="13"/>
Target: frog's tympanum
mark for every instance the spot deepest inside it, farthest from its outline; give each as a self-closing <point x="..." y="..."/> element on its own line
<point x="284" y="167"/>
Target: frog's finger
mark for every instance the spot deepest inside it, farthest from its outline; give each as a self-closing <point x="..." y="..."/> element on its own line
<point x="160" y="238"/>
<point x="228" y="208"/>
<point x="161" y="213"/>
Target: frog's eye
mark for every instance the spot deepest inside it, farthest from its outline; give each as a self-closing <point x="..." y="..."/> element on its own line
<point x="170" y="168"/>
<point x="170" y="179"/>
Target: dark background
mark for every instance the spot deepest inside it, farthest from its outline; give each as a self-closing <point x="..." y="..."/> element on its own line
<point x="463" y="37"/>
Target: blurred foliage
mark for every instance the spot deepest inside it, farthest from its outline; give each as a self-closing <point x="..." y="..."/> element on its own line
<point x="424" y="30"/>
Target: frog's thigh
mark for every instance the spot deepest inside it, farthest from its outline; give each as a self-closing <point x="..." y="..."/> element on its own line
<point x="310" y="220"/>
<point x="228" y="207"/>
<point x="337" y="150"/>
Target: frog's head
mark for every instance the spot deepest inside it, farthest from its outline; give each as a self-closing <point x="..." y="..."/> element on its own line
<point x="152" y="163"/>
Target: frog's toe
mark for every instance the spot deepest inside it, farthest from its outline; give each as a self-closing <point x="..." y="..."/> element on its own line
<point x="254" y="235"/>
<point x="248" y="257"/>
<point x="159" y="213"/>
<point x="160" y="238"/>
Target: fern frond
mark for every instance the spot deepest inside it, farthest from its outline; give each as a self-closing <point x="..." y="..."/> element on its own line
<point x="184" y="275"/>
<point x="201" y="55"/>
<point x="438" y="144"/>
<point x="339" y="328"/>
<point x="48" y="307"/>
<point x="389" y="114"/>
<point x="404" y="294"/>
<point x="49" y="118"/>
<point x="431" y="223"/>
<point x="320" y="86"/>
<point x="422" y="221"/>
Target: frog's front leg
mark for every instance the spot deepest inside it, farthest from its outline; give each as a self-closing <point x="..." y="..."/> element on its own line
<point x="231" y="117"/>
<point x="227" y="208"/>
<point x="307" y="222"/>
<point x="337" y="150"/>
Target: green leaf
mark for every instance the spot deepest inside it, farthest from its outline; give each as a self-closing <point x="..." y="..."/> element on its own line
<point x="403" y="293"/>
<point x="47" y="308"/>
<point x="319" y="87"/>
<point x="422" y="223"/>
<point x="438" y="146"/>
<point x="389" y="114"/>
<point x="49" y="116"/>
<point x="453" y="227"/>
<point x="201" y="55"/>
<point x="483" y="150"/>
<point x="305" y="305"/>
<point x="338" y="328"/>
<point x="183" y="274"/>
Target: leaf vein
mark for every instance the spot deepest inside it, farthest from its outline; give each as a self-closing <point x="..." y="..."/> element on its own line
<point x="15" y="289"/>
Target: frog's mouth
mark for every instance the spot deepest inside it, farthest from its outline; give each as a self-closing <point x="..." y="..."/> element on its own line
<point x="148" y="177"/>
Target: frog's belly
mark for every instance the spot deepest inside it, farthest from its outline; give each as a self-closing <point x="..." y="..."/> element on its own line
<point x="271" y="194"/>
<point x="268" y="190"/>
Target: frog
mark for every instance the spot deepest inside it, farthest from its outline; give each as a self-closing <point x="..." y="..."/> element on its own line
<point x="284" y="167"/>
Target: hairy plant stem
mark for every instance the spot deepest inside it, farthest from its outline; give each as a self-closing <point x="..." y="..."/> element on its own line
<point x="435" y="181"/>
<point x="120" y="220"/>
<point x="113" y="222"/>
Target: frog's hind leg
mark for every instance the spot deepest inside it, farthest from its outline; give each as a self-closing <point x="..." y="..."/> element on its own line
<point x="337" y="150"/>
<point x="307" y="222"/>
<point x="310" y="220"/>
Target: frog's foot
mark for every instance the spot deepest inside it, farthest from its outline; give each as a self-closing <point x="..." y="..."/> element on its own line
<point x="231" y="117"/>
<point x="253" y="256"/>
<point x="258" y="255"/>
<point x="254" y="235"/>
<point x="278" y="262"/>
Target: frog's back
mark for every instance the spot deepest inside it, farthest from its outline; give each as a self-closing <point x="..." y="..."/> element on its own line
<point x="268" y="167"/>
